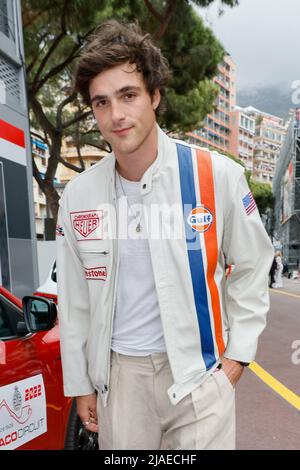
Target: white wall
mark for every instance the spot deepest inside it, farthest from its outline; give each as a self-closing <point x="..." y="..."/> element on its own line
<point x="46" y="255"/>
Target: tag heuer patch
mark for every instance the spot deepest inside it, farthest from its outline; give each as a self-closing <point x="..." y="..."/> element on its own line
<point x="87" y="225"/>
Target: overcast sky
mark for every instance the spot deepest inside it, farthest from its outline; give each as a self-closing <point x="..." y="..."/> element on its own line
<point x="263" y="38"/>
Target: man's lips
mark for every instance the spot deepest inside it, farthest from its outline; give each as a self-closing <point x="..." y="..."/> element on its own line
<point x="122" y="131"/>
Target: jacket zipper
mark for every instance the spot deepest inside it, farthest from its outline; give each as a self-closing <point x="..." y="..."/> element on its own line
<point x="94" y="252"/>
<point x="106" y="386"/>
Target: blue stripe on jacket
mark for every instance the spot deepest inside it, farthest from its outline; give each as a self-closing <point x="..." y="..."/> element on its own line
<point x="188" y="197"/>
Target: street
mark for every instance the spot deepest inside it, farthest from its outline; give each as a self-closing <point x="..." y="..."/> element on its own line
<point x="266" y="420"/>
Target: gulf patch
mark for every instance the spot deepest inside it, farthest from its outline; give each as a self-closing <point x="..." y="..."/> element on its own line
<point x="200" y="218"/>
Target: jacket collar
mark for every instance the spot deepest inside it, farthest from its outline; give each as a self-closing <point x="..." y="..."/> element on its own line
<point x="153" y="171"/>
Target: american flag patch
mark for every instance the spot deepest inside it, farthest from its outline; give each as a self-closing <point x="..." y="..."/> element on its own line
<point x="249" y="203"/>
<point x="59" y="231"/>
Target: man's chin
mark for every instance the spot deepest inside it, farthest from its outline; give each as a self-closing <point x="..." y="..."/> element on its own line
<point x="126" y="150"/>
<point x="126" y="147"/>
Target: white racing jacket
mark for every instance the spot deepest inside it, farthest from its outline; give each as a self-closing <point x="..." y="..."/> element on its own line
<point x="208" y="215"/>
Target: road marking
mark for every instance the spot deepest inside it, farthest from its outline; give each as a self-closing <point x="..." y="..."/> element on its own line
<point x="285" y="293"/>
<point x="277" y="386"/>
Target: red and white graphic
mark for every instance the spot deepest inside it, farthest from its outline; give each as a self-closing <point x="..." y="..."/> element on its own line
<point x="96" y="274"/>
<point x="200" y="219"/>
<point x="23" y="414"/>
<point x="88" y="225"/>
<point x="2" y="348"/>
<point x="12" y="142"/>
<point x="59" y="231"/>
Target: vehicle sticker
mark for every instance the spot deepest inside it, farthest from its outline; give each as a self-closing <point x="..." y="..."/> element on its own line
<point x="23" y="415"/>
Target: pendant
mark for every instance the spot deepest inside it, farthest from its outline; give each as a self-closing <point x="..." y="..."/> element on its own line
<point x="138" y="227"/>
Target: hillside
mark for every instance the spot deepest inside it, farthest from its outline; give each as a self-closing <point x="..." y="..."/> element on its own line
<point x="276" y="99"/>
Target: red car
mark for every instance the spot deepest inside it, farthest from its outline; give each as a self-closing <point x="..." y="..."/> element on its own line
<point x="34" y="414"/>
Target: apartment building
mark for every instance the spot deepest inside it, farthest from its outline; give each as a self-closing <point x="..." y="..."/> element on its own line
<point x="217" y="127"/>
<point x="242" y="137"/>
<point x="40" y="152"/>
<point x="90" y="155"/>
<point x="270" y="132"/>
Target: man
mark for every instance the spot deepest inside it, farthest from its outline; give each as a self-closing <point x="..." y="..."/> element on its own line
<point x="153" y="338"/>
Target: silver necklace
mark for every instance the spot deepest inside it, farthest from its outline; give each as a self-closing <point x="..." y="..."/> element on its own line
<point x="138" y="227"/>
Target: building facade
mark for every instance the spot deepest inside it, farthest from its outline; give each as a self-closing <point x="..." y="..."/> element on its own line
<point x="270" y="132"/>
<point x="242" y="137"/>
<point x="217" y="128"/>
<point x="90" y="155"/>
<point x="40" y="152"/>
<point x="18" y="251"/>
<point x="286" y="189"/>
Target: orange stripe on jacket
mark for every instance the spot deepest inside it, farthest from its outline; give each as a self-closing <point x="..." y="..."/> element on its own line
<point x="206" y="182"/>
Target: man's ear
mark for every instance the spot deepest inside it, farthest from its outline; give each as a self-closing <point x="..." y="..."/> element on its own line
<point x="156" y="97"/>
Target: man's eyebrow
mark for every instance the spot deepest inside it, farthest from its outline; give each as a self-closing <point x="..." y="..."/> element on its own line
<point x="128" y="88"/>
<point x="122" y="90"/>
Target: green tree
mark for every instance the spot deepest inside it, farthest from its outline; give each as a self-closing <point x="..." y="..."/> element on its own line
<point x="262" y="192"/>
<point x="54" y="32"/>
<point x="263" y="195"/>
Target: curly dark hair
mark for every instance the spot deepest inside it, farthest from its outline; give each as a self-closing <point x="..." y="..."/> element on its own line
<point x="113" y="43"/>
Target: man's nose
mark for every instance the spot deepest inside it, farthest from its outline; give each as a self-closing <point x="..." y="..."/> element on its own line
<point x="117" y="113"/>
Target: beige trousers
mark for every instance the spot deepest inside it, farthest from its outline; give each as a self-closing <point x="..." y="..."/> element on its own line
<point x="139" y="414"/>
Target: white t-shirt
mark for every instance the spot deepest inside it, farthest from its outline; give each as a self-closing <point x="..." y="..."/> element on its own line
<point x="137" y="328"/>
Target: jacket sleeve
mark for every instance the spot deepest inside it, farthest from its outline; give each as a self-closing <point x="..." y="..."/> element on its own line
<point x="73" y="307"/>
<point x="247" y="247"/>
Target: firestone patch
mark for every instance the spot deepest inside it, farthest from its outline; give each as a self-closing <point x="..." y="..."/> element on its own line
<point x="98" y="273"/>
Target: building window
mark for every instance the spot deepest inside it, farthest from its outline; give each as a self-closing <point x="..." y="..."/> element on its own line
<point x="43" y="212"/>
<point x="4" y="28"/>
<point x="7" y="26"/>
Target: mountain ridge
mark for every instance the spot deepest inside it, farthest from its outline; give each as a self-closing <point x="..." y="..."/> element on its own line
<point x="272" y="99"/>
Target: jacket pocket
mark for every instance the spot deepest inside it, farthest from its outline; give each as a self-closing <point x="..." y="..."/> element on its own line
<point x="225" y="379"/>
<point x="94" y="252"/>
<point x="95" y="264"/>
